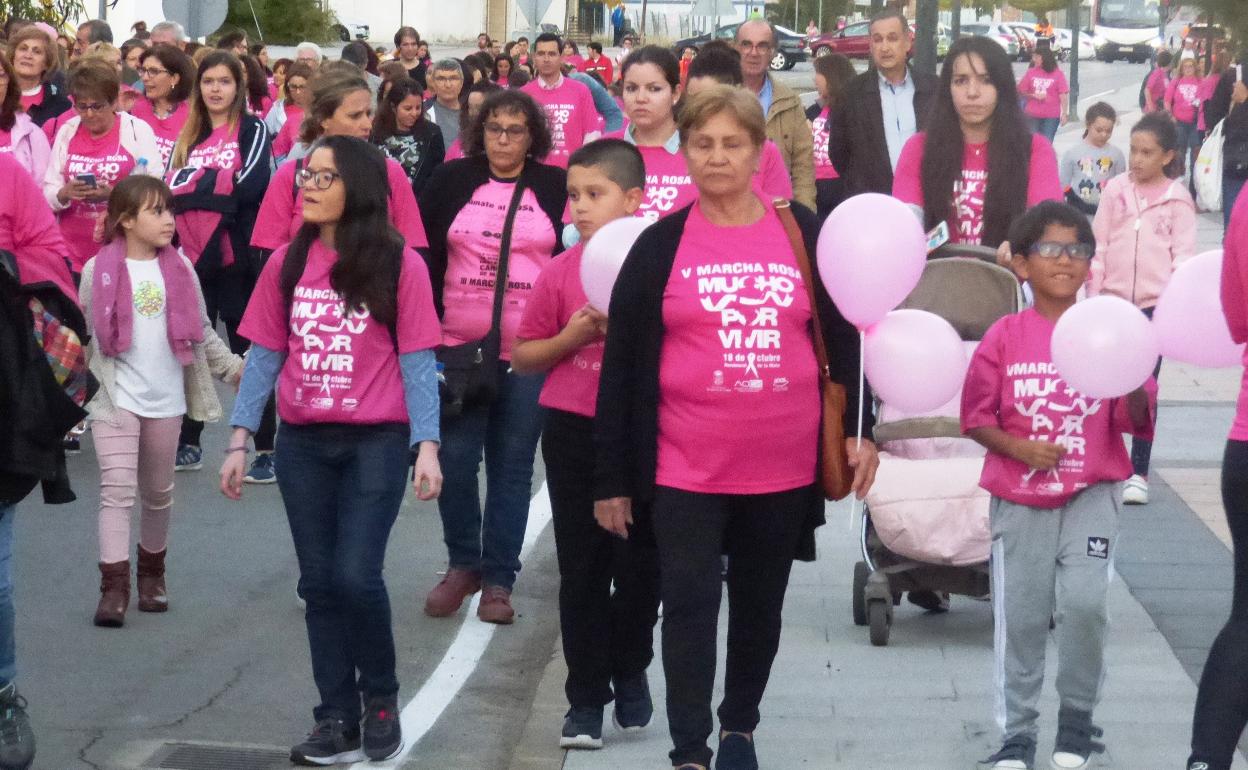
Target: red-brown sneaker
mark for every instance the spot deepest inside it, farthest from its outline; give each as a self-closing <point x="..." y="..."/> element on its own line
<point x="448" y="596"/>
<point x="495" y="606"/>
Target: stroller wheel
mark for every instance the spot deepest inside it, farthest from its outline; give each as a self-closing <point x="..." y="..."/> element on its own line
<point x="880" y="617"/>
<point x="860" y="593"/>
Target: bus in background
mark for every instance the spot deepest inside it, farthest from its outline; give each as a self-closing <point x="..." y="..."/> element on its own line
<point x="1127" y="29"/>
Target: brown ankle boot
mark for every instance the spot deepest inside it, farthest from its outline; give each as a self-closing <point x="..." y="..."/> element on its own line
<point x="152" y="596"/>
<point x="114" y="594"/>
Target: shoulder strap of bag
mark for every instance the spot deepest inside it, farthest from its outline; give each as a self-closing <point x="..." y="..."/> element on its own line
<point x="803" y="265"/>
<point x="504" y="251"/>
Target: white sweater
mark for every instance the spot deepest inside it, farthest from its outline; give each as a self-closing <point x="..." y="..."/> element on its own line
<point x="137" y="139"/>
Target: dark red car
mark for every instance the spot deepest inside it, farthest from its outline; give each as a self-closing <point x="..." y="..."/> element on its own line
<point x="853" y="41"/>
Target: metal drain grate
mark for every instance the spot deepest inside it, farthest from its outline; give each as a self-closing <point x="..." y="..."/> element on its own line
<point x="190" y="756"/>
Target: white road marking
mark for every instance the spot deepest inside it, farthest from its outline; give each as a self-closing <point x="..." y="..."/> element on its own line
<point x="1097" y="96"/>
<point x="462" y="657"/>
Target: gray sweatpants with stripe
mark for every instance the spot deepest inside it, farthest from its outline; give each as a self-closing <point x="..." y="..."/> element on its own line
<point x="1051" y="563"/>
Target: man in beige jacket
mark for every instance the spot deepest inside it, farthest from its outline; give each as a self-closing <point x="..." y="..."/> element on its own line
<point x="786" y="119"/>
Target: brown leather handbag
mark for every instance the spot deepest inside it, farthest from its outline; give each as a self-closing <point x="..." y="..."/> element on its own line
<point x="836" y="478"/>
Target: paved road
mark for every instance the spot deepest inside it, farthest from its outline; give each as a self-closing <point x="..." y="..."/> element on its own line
<point x="228" y="665"/>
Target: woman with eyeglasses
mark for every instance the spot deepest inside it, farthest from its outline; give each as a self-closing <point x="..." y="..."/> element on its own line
<point x="93" y="151"/>
<point x="350" y="285"/>
<point x="35" y="60"/>
<point x="19" y="136"/>
<point x="286" y="115"/>
<point x="222" y="153"/>
<point x="466" y="202"/>
<point x="168" y="75"/>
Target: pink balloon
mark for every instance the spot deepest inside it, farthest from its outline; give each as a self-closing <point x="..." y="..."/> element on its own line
<point x="604" y="256"/>
<point x="1104" y="347"/>
<point x="1188" y="319"/>
<point x="871" y="253"/>
<point x="915" y="361"/>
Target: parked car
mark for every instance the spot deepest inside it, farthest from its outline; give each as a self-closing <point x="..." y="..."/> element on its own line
<point x="854" y="41"/>
<point x="791" y="46"/>
<point x="1026" y="35"/>
<point x="944" y="39"/>
<point x="995" y="31"/>
<point x="1087" y="46"/>
<point x="348" y="29"/>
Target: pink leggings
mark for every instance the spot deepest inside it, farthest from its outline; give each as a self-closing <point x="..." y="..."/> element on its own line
<point x="136" y="454"/>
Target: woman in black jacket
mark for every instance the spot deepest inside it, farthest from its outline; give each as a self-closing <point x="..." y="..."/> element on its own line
<point x="1228" y="102"/>
<point x="708" y="417"/>
<point x="220" y="166"/>
<point x="464" y="207"/>
<point x="404" y="135"/>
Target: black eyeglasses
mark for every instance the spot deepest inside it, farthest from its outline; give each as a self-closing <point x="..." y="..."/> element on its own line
<point x="1053" y="250"/>
<point x="152" y="72"/>
<point x="322" y="180"/>
<point x="514" y="132"/>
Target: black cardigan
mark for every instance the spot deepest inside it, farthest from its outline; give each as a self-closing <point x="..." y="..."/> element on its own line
<point x="451" y="187"/>
<point x="627" y="424"/>
<point x="53" y="103"/>
<point x="856" y="143"/>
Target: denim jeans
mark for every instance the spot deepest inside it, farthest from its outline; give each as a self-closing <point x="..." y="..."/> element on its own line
<point x="1046" y="127"/>
<point x="342" y="486"/>
<point x="507" y="432"/>
<point x="8" y="645"/>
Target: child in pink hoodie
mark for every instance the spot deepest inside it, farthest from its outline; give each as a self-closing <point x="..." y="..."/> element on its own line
<point x="1145" y="225"/>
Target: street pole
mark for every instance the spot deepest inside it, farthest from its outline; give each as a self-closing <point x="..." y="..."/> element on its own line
<point x="1075" y="22"/>
<point x="926" y="16"/>
<point x="796" y="4"/>
<point x="955" y="21"/>
<point x="103" y="9"/>
<point x="1161" y="22"/>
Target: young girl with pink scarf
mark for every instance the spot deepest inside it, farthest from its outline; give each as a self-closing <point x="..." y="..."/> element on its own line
<point x="154" y="354"/>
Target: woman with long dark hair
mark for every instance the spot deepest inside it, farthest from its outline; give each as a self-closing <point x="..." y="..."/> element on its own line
<point x="503" y="67"/>
<point x="168" y="76"/>
<point x="26" y="142"/>
<point x="1045" y="89"/>
<point x="257" y="86"/>
<point x="285" y="117"/>
<point x="977" y="166"/>
<point x="404" y="135"/>
<point x="222" y="152"/>
<point x="467" y="203"/>
<point x="348" y="283"/>
<point x="832" y="73"/>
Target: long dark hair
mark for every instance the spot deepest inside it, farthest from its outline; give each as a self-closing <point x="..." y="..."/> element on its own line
<point x="511" y="66"/>
<point x="837" y="71"/>
<point x="1163" y="129"/>
<point x="386" y="124"/>
<point x="370" y="249"/>
<point x="661" y="57"/>
<point x="12" y="100"/>
<point x="1048" y="60"/>
<point x="1009" y="146"/>
<point x="257" y="83"/>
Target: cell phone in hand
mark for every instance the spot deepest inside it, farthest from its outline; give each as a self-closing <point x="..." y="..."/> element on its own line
<point x="87" y="179"/>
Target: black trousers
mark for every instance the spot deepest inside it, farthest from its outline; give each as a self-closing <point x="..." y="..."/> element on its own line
<point x="829" y="193"/>
<point x="1222" y="701"/>
<point x="759" y="533"/>
<point x="607" y="634"/>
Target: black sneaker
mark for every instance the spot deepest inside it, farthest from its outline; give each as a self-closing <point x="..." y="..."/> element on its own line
<point x="17" y="741"/>
<point x="1017" y="753"/>
<point x="331" y="742"/>
<point x="1075" y="733"/>
<point x="72" y="445"/>
<point x="633" y="706"/>
<point x="930" y="600"/>
<point x="582" y="728"/>
<point x="383" y="736"/>
<point x="736" y="752"/>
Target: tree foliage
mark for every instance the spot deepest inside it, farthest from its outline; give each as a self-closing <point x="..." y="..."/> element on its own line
<point x="282" y="22"/>
<point x="54" y="12"/>
<point x="1040" y="7"/>
<point x="1231" y="14"/>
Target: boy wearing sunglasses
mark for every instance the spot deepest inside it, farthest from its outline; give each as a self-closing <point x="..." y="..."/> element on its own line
<point x="1055" y="466"/>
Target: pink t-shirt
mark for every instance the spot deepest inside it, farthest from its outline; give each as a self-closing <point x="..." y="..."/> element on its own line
<point x="6" y="142"/>
<point x="286" y="138"/>
<point x="1183" y="96"/>
<point x="281" y="212"/>
<point x="1156" y="87"/>
<point x="104" y="157"/>
<point x="571" y="384"/>
<point x="820" y="129"/>
<point x="339" y="369"/>
<point x="738" y="382"/>
<point x="571" y="114"/>
<point x="454" y="152"/>
<point x="31" y="101"/>
<point x="968" y="193"/>
<point x="1234" y="291"/>
<point x="220" y="150"/>
<point x="166" y="129"/>
<point x="473" y="243"/>
<point x="772" y="179"/>
<point x="1044" y="92"/>
<point x="1013" y="384"/>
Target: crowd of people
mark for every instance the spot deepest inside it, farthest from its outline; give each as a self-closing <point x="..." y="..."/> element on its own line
<point x="393" y="249"/>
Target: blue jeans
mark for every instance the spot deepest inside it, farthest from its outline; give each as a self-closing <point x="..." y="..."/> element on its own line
<point x="8" y="646"/>
<point x="507" y="432"/>
<point x="1230" y="192"/>
<point x="1046" y="127"/>
<point x="342" y="486"/>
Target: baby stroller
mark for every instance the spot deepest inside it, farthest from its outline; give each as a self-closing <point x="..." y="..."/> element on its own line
<point x="925" y="525"/>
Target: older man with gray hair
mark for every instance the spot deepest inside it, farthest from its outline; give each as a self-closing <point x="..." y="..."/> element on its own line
<point x="169" y="33"/>
<point x="309" y="53"/>
<point x="447" y="79"/>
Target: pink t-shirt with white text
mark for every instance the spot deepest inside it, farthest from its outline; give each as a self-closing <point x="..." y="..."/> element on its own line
<point x="166" y="129"/>
<point x="220" y="150"/>
<point x="473" y="244"/>
<point x="572" y="384"/>
<point x="1013" y="384"/>
<point x="1044" y="92"/>
<point x="570" y="113"/>
<point x="737" y="367"/>
<point x="281" y="211"/>
<point x="340" y="367"/>
<point x="1183" y="95"/>
<point x="109" y="162"/>
<point x="820" y="132"/>
<point x="967" y="225"/>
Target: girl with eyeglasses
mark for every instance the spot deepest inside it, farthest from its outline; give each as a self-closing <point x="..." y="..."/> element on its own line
<point x="93" y="151"/>
<point x="351" y="421"/>
<point x="286" y="115"/>
<point x="222" y="152"/>
<point x="167" y="75"/>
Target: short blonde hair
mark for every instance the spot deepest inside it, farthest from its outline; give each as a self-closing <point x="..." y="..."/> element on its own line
<point x="739" y="103"/>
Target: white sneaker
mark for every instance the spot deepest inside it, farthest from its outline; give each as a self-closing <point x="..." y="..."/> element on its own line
<point x="1064" y="760"/>
<point x="1135" y="492"/>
